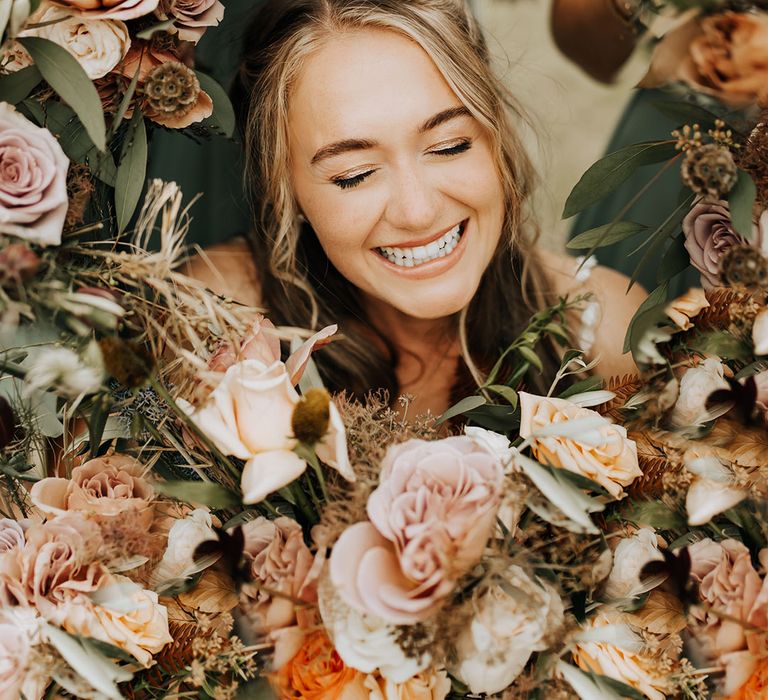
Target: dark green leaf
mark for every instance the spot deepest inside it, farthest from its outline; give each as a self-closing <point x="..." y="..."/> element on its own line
<point x="97" y="422"/>
<point x="66" y="76"/>
<point x="686" y="112"/>
<point x="626" y="691"/>
<point x="653" y="513"/>
<point x="497" y="417"/>
<point x="205" y="493"/>
<point x="741" y="199"/>
<point x="588" y="384"/>
<point x="656" y="298"/>
<point x="506" y="392"/>
<point x="15" y="87"/>
<point x="674" y="261"/>
<point x="609" y="172"/>
<point x="605" y="235"/>
<point x="466" y="404"/>
<point x="132" y="171"/>
<point x="223" y="116"/>
<point x="109" y="650"/>
<point x="723" y="344"/>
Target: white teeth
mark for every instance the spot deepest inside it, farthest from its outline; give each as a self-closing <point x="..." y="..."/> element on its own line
<point x="418" y="255"/>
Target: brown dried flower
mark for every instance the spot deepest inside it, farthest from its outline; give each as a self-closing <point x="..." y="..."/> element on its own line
<point x="709" y="170"/>
<point x="744" y="265"/>
<point x="171" y="88"/>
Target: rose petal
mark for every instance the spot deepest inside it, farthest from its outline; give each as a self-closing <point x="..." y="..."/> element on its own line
<point x="267" y="472"/>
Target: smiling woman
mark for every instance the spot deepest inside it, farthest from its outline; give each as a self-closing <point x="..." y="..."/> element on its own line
<point x="391" y="192"/>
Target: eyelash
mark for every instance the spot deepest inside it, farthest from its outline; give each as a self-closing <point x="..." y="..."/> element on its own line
<point x="346" y="183"/>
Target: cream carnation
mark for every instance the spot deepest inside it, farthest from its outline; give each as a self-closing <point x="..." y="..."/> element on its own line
<point x="609" y="458"/>
<point x="505" y="630"/>
<point x="97" y="44"/>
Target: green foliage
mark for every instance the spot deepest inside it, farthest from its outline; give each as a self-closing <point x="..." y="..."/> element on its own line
<point x="15" y="87"/>
<point x="206" y="493"/>
<point x="656" y="299"/>
<point x="582" y="386"/>
<point x="223" y="117"/>
<point x="68" y="79"/>
<point x="654" y="514"/>
<point x="722" y="344"/>
<point x="741" y="200"/>
<point x="605" y="235"/>
<point x="132" y="170"/>
<point x="609" y="172"/>
<point x="466" y="404"/>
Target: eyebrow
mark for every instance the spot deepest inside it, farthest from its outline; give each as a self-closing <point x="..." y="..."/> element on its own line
<point x="347" y="145"/>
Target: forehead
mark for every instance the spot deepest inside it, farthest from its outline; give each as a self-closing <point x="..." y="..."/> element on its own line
<point x="358" y="83"/>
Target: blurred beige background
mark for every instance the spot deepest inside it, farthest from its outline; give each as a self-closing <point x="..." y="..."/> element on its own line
<point x="573" y="114"/>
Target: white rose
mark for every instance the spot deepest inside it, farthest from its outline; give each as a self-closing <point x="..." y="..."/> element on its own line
<point x="495" y="443"/>
<point x="97" y="44"/>
<point x="631" y="555"/>
<point x="505" y="631"/>
<point x="695" y="388"/>
<point x="713" y="491"/>
<point x="183" y="538"/>
<point x="760" y="333"/>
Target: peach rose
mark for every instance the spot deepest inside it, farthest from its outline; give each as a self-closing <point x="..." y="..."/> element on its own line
<point x="430" y="518"/>
<point x="14" y="653"/>
<point x="686" y="307"/>
<point x="108" y="9"/>
<point x="317" y="672"/>
<point x="756" y="688"/>
<point x="105" y="487"/>
<point x="192" y="17"/>
<point x="609" y="458"/>
<point x="723" y="55"/>
<point x="729" y="584"/>
<point x="285" y="574"/>
<point x="262" y="343"/>
<point x="430" y="684"/>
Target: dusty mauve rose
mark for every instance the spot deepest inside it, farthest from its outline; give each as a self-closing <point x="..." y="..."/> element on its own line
<point x="279" y="561"/>
<point x="729" y="584"/>
<point x="505" y="630"/>
<point x="106" y="487"/>
<point x="611" y="463"/>
<point x="722" y="55"/>
<point x="430" y="684"/>
<point x="14" y="652"/>
<point x="430" y="518"/>
<point x="192" y="17"/>
<point x="686" y="307"/>
<point x="108" y="9"/>
<point x="33" y="180"/>
<point x="98" y="45"/>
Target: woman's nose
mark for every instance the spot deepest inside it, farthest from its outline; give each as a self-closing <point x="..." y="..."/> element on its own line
<point x="413" y="202"/>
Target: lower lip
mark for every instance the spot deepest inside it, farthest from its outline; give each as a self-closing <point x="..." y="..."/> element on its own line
<point x="433" y="268"/>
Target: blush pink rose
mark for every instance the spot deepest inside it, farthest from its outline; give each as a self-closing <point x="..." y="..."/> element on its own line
<point x="192" y="17"/>
<point x="106" y="487"/>
<point x="109" y="9"/>
<point x="430" y="519"/>
<point x="14" y="655"/>
<point x="262" y="343"/>
<point x="11" y="535"/>
<point x="33" y="180"/>
<point x="285" y="574"/>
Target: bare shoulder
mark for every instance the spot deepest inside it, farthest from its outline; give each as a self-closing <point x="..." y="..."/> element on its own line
<point x="614" y="306"/>
<point x="227" y="269"/>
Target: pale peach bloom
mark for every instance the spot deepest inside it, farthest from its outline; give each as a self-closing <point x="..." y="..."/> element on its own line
<point x="429" y="684"/>
<point x="14" y="653"/>
<point x="280" y="563"/>
<point x="609" y="457"/>
<point x="430" y="518"/>
<point x="104" y="487"/>
<point x="723" y="55"/>
<point x="696" y="386"/>
<point x="11" y="535"/>
<point x="631" y="555"/>
<point x="262" y="343"/>
<point x="686" y="307"/>
<point x="108" y="9"/>
<point x="760" y="333"/>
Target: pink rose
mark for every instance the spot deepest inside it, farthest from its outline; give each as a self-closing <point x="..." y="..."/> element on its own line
<point x="106" y="487"/>
<point x="430" y="518"/>
<point x="262" y="343"/>
<point x="729" y="584"/>
<point x="33" y="180"/>
<point x="109" y="9"/>
<point x="192" y="17"/>
<point x="14" y="653"/>
<point x="11" y="535"/>
<point x="285" y="571"/>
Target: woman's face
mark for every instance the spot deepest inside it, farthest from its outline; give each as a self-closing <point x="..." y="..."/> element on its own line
<point x="396" y="178"/>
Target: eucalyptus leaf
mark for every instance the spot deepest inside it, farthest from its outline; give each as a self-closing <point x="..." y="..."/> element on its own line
<point x="223" y="116"/>
<point x="741" y="200"/>
<point x="529" y="355"/>
<point x="609" y="172"/>
<point x="205" y="493"/>
<point x="582" y="386"/>
<point x="506" y="392"/>
<point x="686" y="112"/>
<point x="467" y="404"/>
<point x="497" y="417"/>
<point x="605" y="235"/>
<point x="723" y="344"/>
<point x="68" y="79"/>
<point x="655" y="514"/>
<point x="657" y="298"/>
<point x="14" y="87"/>
<point x="132" y="171"/>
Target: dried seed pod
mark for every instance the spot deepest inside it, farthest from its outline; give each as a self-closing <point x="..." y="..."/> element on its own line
<point x="745" y="266"/>
<point x="311" y="416"/>
<point x="709" y="170"/>
<point x="171" y="88"/>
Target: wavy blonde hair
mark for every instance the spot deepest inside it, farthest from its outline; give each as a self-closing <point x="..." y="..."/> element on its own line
<point x="299" y="284"/>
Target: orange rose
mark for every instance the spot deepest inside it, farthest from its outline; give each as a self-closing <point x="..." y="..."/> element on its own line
<point x="757" y="685"/>
<point x="318" y="673"/>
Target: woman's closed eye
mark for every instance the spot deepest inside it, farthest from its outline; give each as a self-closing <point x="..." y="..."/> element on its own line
<point x="444" y="151"/>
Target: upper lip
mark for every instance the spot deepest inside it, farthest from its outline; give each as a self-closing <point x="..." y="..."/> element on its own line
<point x="425" y="241"/>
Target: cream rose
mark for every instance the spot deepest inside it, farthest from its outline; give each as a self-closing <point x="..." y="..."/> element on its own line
<point x="760" y="333"/>
<point x="108" y="9"/>
<point x="696" y="385"/>
<point x="686" y="307"/>
<point x="712" y="491"/>
<point x="33" y="180"/>
<point x="183" y="538"/>
<point x="505" y="630"/>
<point x="631" y="555"/>
<point x="430" y="684"/>
<point x="97" y="44"/>
<point x="609" y="458"/>
<point x="14" y="653"/>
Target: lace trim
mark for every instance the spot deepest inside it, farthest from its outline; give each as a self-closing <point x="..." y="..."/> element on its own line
<point x="590" y="312"/>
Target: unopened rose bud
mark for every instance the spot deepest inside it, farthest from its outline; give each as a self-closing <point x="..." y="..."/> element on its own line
<point x="311" y="416"/>
<point x="128" y="362"/>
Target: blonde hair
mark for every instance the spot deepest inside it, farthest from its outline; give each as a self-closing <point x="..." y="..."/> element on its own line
<point x="287" y="32"/>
